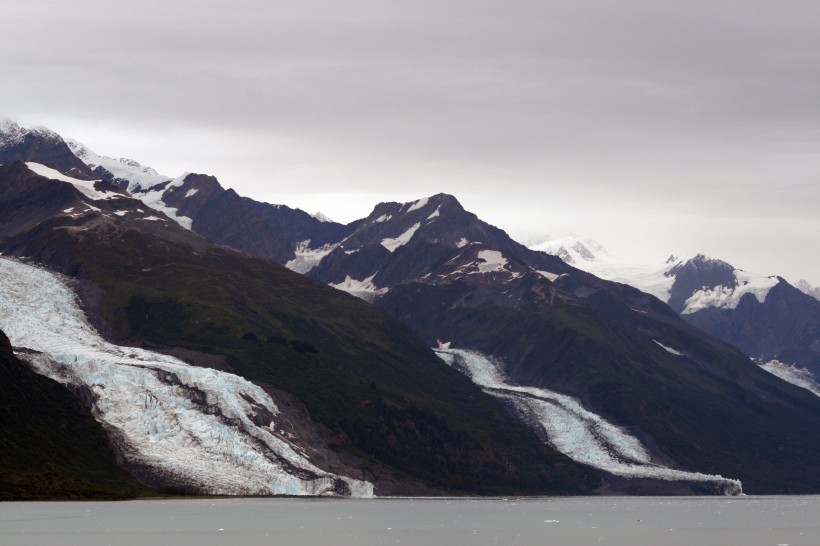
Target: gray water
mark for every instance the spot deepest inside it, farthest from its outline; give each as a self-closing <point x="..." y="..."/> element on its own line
<point x="601" y="520"/>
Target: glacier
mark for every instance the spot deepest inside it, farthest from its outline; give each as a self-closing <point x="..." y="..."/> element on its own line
<point x="796" y="376"/>
<point x="307" y="258"/>
<point x="573" y="430"/>
<point x="199" y="428"/>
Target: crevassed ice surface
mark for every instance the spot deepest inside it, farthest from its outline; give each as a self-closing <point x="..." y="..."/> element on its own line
<point x="193" y="426"/>
<point x="576" y="432"/>
<point x="794" y="375"/>
<point x="307" y="258"/>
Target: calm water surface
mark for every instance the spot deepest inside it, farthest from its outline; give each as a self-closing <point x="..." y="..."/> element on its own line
<point x="609" y="520"/>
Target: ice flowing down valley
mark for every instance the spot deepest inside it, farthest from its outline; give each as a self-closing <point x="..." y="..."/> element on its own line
<point x="197" y="428"/>
<point x="573" y="430"/>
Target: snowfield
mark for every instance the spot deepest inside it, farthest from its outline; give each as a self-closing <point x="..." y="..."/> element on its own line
<point x="86" y="187"/>
<point x="392" y="244"/>
<point x="573" y="430"/>
<point x="728" y="297"/>
<point x="153" y="198"/>
<point x="204" y="429"/>
<point x="592" y="257"/>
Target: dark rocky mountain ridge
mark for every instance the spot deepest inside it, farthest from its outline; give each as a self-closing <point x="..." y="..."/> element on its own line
<point x="460" y="281"/>
<point x="413" y="423"/>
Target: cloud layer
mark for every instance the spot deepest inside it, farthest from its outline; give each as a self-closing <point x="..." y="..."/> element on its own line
<point x="655" y="126"/>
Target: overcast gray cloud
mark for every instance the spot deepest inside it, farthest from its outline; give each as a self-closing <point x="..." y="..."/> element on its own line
<point x="654" y="126"/>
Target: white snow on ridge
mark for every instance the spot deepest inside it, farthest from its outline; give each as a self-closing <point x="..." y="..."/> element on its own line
<point x="573" y="430"/>
<point x="728" y="297"/>
<point x="322" y="217"/>
<point x="193" y="425"/>
<point x="796" y="376"/>
<point x="420" y="204"/>
<point x="401" y="240"/>
<point x="307" y="258"/>
<point x="383" y="218"/>
<point x="126" y="169"/>
<point x="86" y="187"/>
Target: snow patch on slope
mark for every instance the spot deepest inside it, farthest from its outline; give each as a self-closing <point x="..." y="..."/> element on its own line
<point x="86" y="187"/>
<point x="420" y="204"/>
<point x="551" y="277"/>
<point x="728" y="297"/>
<point x="401" y="240"/>
<point x="796" y="376"/>
<point x="193" y="426"/>
<point x="153" y="198"/>
<point x="668" y="349"/>
<point x="492" y="261"/>
<point x="580" y="434"/>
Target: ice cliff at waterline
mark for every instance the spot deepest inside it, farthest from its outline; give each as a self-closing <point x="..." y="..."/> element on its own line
<point x="195" y="428"/>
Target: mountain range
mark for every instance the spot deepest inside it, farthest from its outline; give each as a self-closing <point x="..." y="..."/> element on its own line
<point x="772" y="321"/>
<point x="467" y="363"/>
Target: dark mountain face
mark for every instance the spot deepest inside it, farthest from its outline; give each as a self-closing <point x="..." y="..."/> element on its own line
<point x="40" y="146"/>
<point x="398" y="243"/>
<point x="459" y="281"/>
<point x="269" y="231"/>
<point x="697" y="403"/>
<point x="698" y="273"/>
<point x="383" y="394"/>
<point x="784" y="327"/>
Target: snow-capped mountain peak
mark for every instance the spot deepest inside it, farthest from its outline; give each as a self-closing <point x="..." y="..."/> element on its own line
<point x="593" y="257"/>
<point x="573" y="250"/>
<point x="12" y="133"/>
<point x="322" y="217"/>
<point x="127" y="173"/>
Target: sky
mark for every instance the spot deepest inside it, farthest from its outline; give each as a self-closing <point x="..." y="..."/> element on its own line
<point x="651" y="126"/>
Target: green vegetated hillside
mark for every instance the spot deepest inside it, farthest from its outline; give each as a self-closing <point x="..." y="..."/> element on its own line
<point x="50" y="445"/>
<point x="711" y="410"/>
<point x="385" y="395"/>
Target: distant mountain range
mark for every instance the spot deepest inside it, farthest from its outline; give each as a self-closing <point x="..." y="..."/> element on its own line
<point x="545" y="378"/>
<point x="770" y="320"/>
